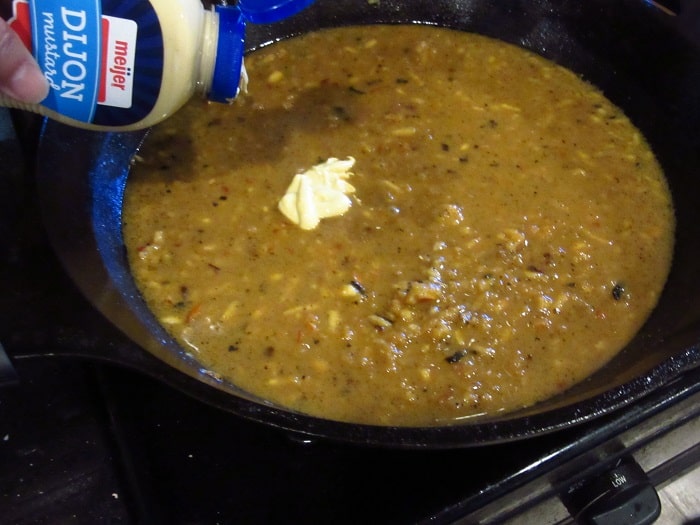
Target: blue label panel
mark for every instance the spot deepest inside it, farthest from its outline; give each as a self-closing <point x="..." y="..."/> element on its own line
<point x="103" y="58"/>
<point x="66" y="37"/>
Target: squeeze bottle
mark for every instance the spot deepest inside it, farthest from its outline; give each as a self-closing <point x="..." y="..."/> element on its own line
<point x="128" y="64"/>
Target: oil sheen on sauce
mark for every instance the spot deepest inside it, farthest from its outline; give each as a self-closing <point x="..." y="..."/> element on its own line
<point x="510" y="229"/>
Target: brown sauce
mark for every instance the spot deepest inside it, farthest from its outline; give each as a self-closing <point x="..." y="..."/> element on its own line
<point x="510" y="231"/>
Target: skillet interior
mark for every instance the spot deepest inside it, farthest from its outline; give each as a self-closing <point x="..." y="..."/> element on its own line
<point x="629" y="49"/>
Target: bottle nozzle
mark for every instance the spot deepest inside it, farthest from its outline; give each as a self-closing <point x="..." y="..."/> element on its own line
<point x="228" y="66"/>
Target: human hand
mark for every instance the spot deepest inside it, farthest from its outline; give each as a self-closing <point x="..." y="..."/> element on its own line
<point x="20" y="76"/>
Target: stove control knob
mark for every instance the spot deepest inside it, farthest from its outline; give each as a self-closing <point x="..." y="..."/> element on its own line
<point x="622" y="495"/>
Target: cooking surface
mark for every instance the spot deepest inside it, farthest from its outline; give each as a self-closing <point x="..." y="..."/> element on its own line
<point x="82" y="443"/>
<point x="88" y="444"/>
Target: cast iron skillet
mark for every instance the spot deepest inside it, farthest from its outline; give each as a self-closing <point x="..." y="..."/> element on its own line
<point x="630" y="49"/>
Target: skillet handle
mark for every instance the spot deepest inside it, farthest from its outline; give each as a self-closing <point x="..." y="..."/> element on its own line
<point x="687" y="13"/>
<point x="671" y="7"/>
<point x="8" y="375"/>
<point x="689" y="20"/>
<point x="81" y="334"/>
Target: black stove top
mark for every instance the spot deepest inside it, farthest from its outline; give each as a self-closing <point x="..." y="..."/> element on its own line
<point x="86" y="443"/>
<point x="83" y="441"/>
<point x="90" y="443"/>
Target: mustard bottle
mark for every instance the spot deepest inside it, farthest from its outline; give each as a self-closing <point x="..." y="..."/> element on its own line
<point x="119" y="65"/>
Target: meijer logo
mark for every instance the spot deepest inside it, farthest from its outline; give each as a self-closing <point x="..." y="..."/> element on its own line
<point x="118" y="51"/>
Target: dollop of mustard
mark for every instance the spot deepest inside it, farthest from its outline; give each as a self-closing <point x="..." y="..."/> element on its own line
<point x="321" y="191"/>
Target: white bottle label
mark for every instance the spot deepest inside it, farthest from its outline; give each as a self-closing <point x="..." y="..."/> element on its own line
<point x="97" y="55"/>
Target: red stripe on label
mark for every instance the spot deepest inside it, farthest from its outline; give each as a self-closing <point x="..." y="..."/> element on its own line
<point x="20" y="22"/>
<point x="102" y="92"/>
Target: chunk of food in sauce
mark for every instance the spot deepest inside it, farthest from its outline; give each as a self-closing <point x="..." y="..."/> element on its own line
<point x="514" y="229"/>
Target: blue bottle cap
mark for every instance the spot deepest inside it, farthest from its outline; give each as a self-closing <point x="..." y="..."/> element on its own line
<point x="267" y="11"/>
<point x="231" y="43"/>
<point x="229" y="55"/>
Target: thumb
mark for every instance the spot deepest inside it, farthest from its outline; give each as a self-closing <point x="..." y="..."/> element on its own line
<point x="20" y="76"/>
